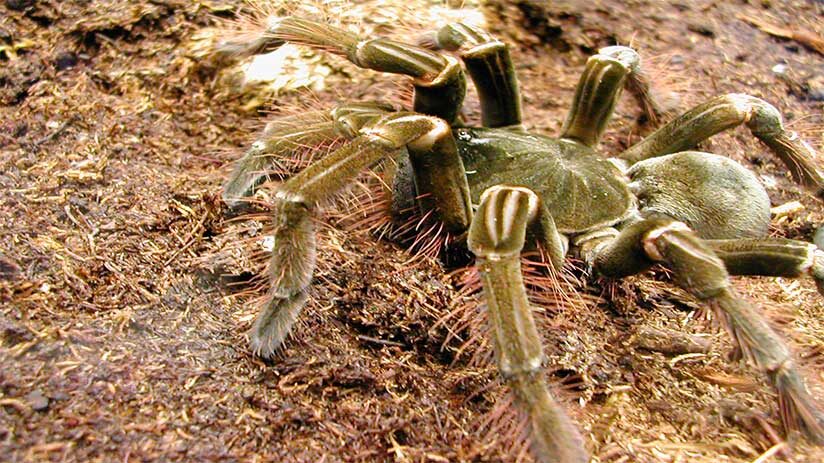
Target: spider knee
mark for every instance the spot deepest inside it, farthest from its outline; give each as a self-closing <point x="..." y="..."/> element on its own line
<point x="761" y="117"/>
<point x="292" y="216"/>
<point x="499" y="227"/>
<point x="397" y="130"/>
<point x="289" y="202"/>
<point x="626" y="56"/>
<point x="351" y="118"/>
<point x="651" y="240"/>
<point x="425" y="142"/>
<point x="528" y="367"/>
<point x="456" y="37"/>
<point x="447" y="76"/>
<point x="697" y="269"/>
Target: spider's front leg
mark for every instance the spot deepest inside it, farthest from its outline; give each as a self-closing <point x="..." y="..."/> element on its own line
<point x="700" y="271"/>
<point x="440" y="84"/>
<point x="597" y="93"/>
<point x="293" y="255"/>
<point x="489" y="65"/>
<point x="727" y="111"/>
<point x="601" y="84"/>
<point x="496" y="237"/>
<point x="283" y="136"/>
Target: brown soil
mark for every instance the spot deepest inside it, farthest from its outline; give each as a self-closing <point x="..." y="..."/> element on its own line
<point x="120" y="341"/>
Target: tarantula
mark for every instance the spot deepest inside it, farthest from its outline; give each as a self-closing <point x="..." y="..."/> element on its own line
<point x="501" y="190"/>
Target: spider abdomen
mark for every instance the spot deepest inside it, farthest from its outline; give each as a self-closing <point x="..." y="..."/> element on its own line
<point x="714" y="195"/>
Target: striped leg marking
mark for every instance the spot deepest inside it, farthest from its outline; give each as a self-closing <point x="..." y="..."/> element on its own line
<point x="598" y="91"/>
<point x="496" y="237"/>
<point x="490" y="67"/>
<point x="771" y="257"/>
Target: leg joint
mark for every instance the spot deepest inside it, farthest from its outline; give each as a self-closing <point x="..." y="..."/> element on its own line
<point x="455" y="37"/>
<point x="696" y="267"/>
<point x="452" y="70"/>
<point x="626" y="56"/>
<point x="499" y="227"/>
<point x="529" y="367"/>
<point x="650" y="239"/>
<point x="761" y="117"/>
<point x="286" y="198"/>
<point x="400" y="129"/>
<point x="484" y="49"/>
<point x="351" y="118"/>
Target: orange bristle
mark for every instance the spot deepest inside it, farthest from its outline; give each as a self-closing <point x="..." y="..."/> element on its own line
<point x="506" y="427"/>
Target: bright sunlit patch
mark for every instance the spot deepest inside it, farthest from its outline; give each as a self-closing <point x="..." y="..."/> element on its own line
<point x="287" y="68"/>
<point x="268" y="243"/>
<point x="444" y="15"/>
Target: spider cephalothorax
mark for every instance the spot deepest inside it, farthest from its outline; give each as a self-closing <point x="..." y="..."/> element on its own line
<point x="501" y="188"/>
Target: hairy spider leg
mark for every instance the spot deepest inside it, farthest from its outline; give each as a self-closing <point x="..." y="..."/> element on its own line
<point x="496" y="237"/>
<point x="727" y="111"/>
<point x="285" y="136"/>
<point x="777" y="257"/>
<point x="489" y="65"/>
<point x="701" y="272"/>
<point x="440" y="83"/>
<point x="293" y="255"/>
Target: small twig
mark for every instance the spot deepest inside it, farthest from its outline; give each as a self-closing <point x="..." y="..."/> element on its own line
<point x="770" y="452"/>
<point x="193" y="236"/>
<point x="805" y="37"/>
<point x="790" y="208"/>
<point x="60" y="129"/>
<point x="383" y="342"/>
<point x="671" y="342"/>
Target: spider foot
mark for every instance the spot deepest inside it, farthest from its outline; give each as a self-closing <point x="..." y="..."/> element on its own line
<point x="274" y="322"/>
<point x="799" y="410"/>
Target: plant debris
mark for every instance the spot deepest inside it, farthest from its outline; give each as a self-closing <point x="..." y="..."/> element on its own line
<point x="805" y="37"/>
<point x="123" y="304"/>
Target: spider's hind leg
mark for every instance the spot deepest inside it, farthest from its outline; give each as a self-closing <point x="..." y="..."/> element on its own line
<point x="777" y="257"/>
<point x="728" y="111"/>
<point x="700" y="271"/>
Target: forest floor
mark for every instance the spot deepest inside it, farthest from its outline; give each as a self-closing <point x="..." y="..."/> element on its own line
<point x="122" y="326"/>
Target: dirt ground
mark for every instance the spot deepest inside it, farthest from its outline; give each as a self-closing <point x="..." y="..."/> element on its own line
<point x="122" y="338"/>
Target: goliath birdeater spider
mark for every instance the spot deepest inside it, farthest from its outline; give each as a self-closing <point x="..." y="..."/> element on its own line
<point x="502" y="190"/>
